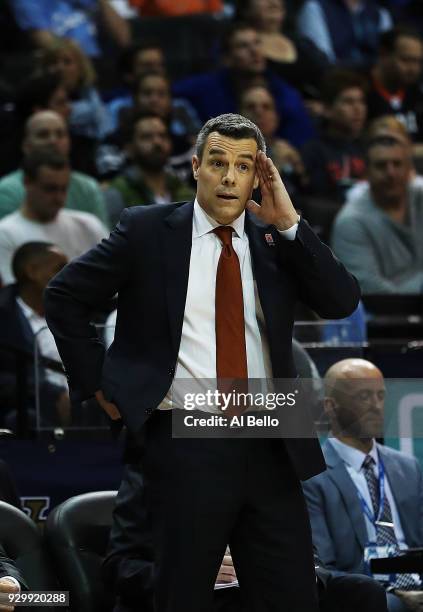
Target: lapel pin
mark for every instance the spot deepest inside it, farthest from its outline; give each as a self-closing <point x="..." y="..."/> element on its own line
<point x="269" y="239"/>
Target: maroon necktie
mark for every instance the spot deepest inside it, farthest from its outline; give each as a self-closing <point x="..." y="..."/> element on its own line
<point x="231" y="352"/>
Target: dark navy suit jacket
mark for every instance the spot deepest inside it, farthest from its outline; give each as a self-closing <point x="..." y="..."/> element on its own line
<point x="146" y="259"/>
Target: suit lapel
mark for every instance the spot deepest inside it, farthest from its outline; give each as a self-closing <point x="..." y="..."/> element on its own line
<point x="177" y="242"/>
<point x="339" y="475"/>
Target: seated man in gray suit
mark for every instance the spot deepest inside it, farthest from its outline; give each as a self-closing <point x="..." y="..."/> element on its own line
<point x="369" y="493"/>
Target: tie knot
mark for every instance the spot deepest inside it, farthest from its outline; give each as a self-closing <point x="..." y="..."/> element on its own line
<point x="368" y="462"/>
<point x="224" y="233"/>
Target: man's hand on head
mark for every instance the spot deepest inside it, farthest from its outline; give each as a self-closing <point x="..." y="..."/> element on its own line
<point x="7" y="586"/>
<point x="276" y="207"/>
<point x="108" y="407"/>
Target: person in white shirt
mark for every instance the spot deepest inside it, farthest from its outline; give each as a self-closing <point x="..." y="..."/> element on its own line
<point x="370" y="495"/>
<point x="41" y="216"/>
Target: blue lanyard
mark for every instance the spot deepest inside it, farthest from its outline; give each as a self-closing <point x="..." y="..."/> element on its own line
<point x="374" y="517"/>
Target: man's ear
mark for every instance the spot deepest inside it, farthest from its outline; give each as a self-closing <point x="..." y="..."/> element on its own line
<point x="32" y="271"/>
<point x="256" y="181"/>
<point x="195" y="166"/>
<point x="329" y="405"/>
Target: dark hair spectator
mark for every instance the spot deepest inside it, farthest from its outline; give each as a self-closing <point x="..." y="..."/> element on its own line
<point x="147" y="179"/>
<point x="335" y="160"/>
<point x="339" y="80"/>
<point x="394" y="81"/>
<point x="143" y="57"/>
<point x="28" y="252"/>
<point x="38" y="158"/>
<point x="42" y="91"/>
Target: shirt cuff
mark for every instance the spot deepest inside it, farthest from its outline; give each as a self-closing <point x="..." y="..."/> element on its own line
<point x="12" y="579"/>
<point x="291" y="232"/>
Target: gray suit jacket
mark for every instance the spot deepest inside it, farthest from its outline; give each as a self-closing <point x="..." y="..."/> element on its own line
<point x="337" y="521"/>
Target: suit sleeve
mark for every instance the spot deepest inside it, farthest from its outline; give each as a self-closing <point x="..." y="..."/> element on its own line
<point x="84" y="284"/>
<point x="323" y="548"/>
<point x="323" y="282"/>
<point x="8" y="568"/>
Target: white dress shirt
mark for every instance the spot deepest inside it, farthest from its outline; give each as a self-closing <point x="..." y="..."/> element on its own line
<point x="197" y="352"/>
<point x="45" y="341"/>
<point x="353" y="459"/>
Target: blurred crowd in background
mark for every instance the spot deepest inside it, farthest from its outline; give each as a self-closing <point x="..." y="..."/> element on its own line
<point x="101" y="102"/>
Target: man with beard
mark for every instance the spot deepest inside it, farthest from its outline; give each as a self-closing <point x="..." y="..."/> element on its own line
<point x="377" y="235"/>
<point x="146" y="180"/>
<point x="395" y="81"/>
<point x="369" y="493"/>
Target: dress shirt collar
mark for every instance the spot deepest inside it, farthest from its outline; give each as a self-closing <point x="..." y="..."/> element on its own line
<point x="204" y="224"/>
<point x="352" y="456"/>
<point x="28" y="312"/>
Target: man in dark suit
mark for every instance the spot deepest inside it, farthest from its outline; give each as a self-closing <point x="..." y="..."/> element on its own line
<point x="21" y="316"/>
<point x="354" y="401"/>
<point x="188" y="308"/>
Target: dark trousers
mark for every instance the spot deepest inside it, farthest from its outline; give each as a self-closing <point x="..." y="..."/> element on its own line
<point x="202" y="494"/>
<point x="347" y="593"/>
<point x="129" y="564"/>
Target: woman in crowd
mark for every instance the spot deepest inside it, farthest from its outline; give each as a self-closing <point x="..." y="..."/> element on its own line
<point x="88" y="117"/>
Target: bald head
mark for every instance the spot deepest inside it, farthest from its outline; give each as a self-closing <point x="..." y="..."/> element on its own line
<point x="46" y="129"/>
<point x="355" y="394"/>
<point x="347" y="370"/>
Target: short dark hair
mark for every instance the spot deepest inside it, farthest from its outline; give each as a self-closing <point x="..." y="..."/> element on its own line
<point x="25" y="254"/>
<point x="130" y="120"/>
<point x="337" y="81"/>
<point x="231" y="125"/>
<point x="125" y="64"/>
<point x="231" y="30"/>
<point x="384" y="141"/>
<point x="146" y="75"/>
<point x="46" y="156"/>
<point x="36" y="92"/>
<point x="388" y="39"/>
